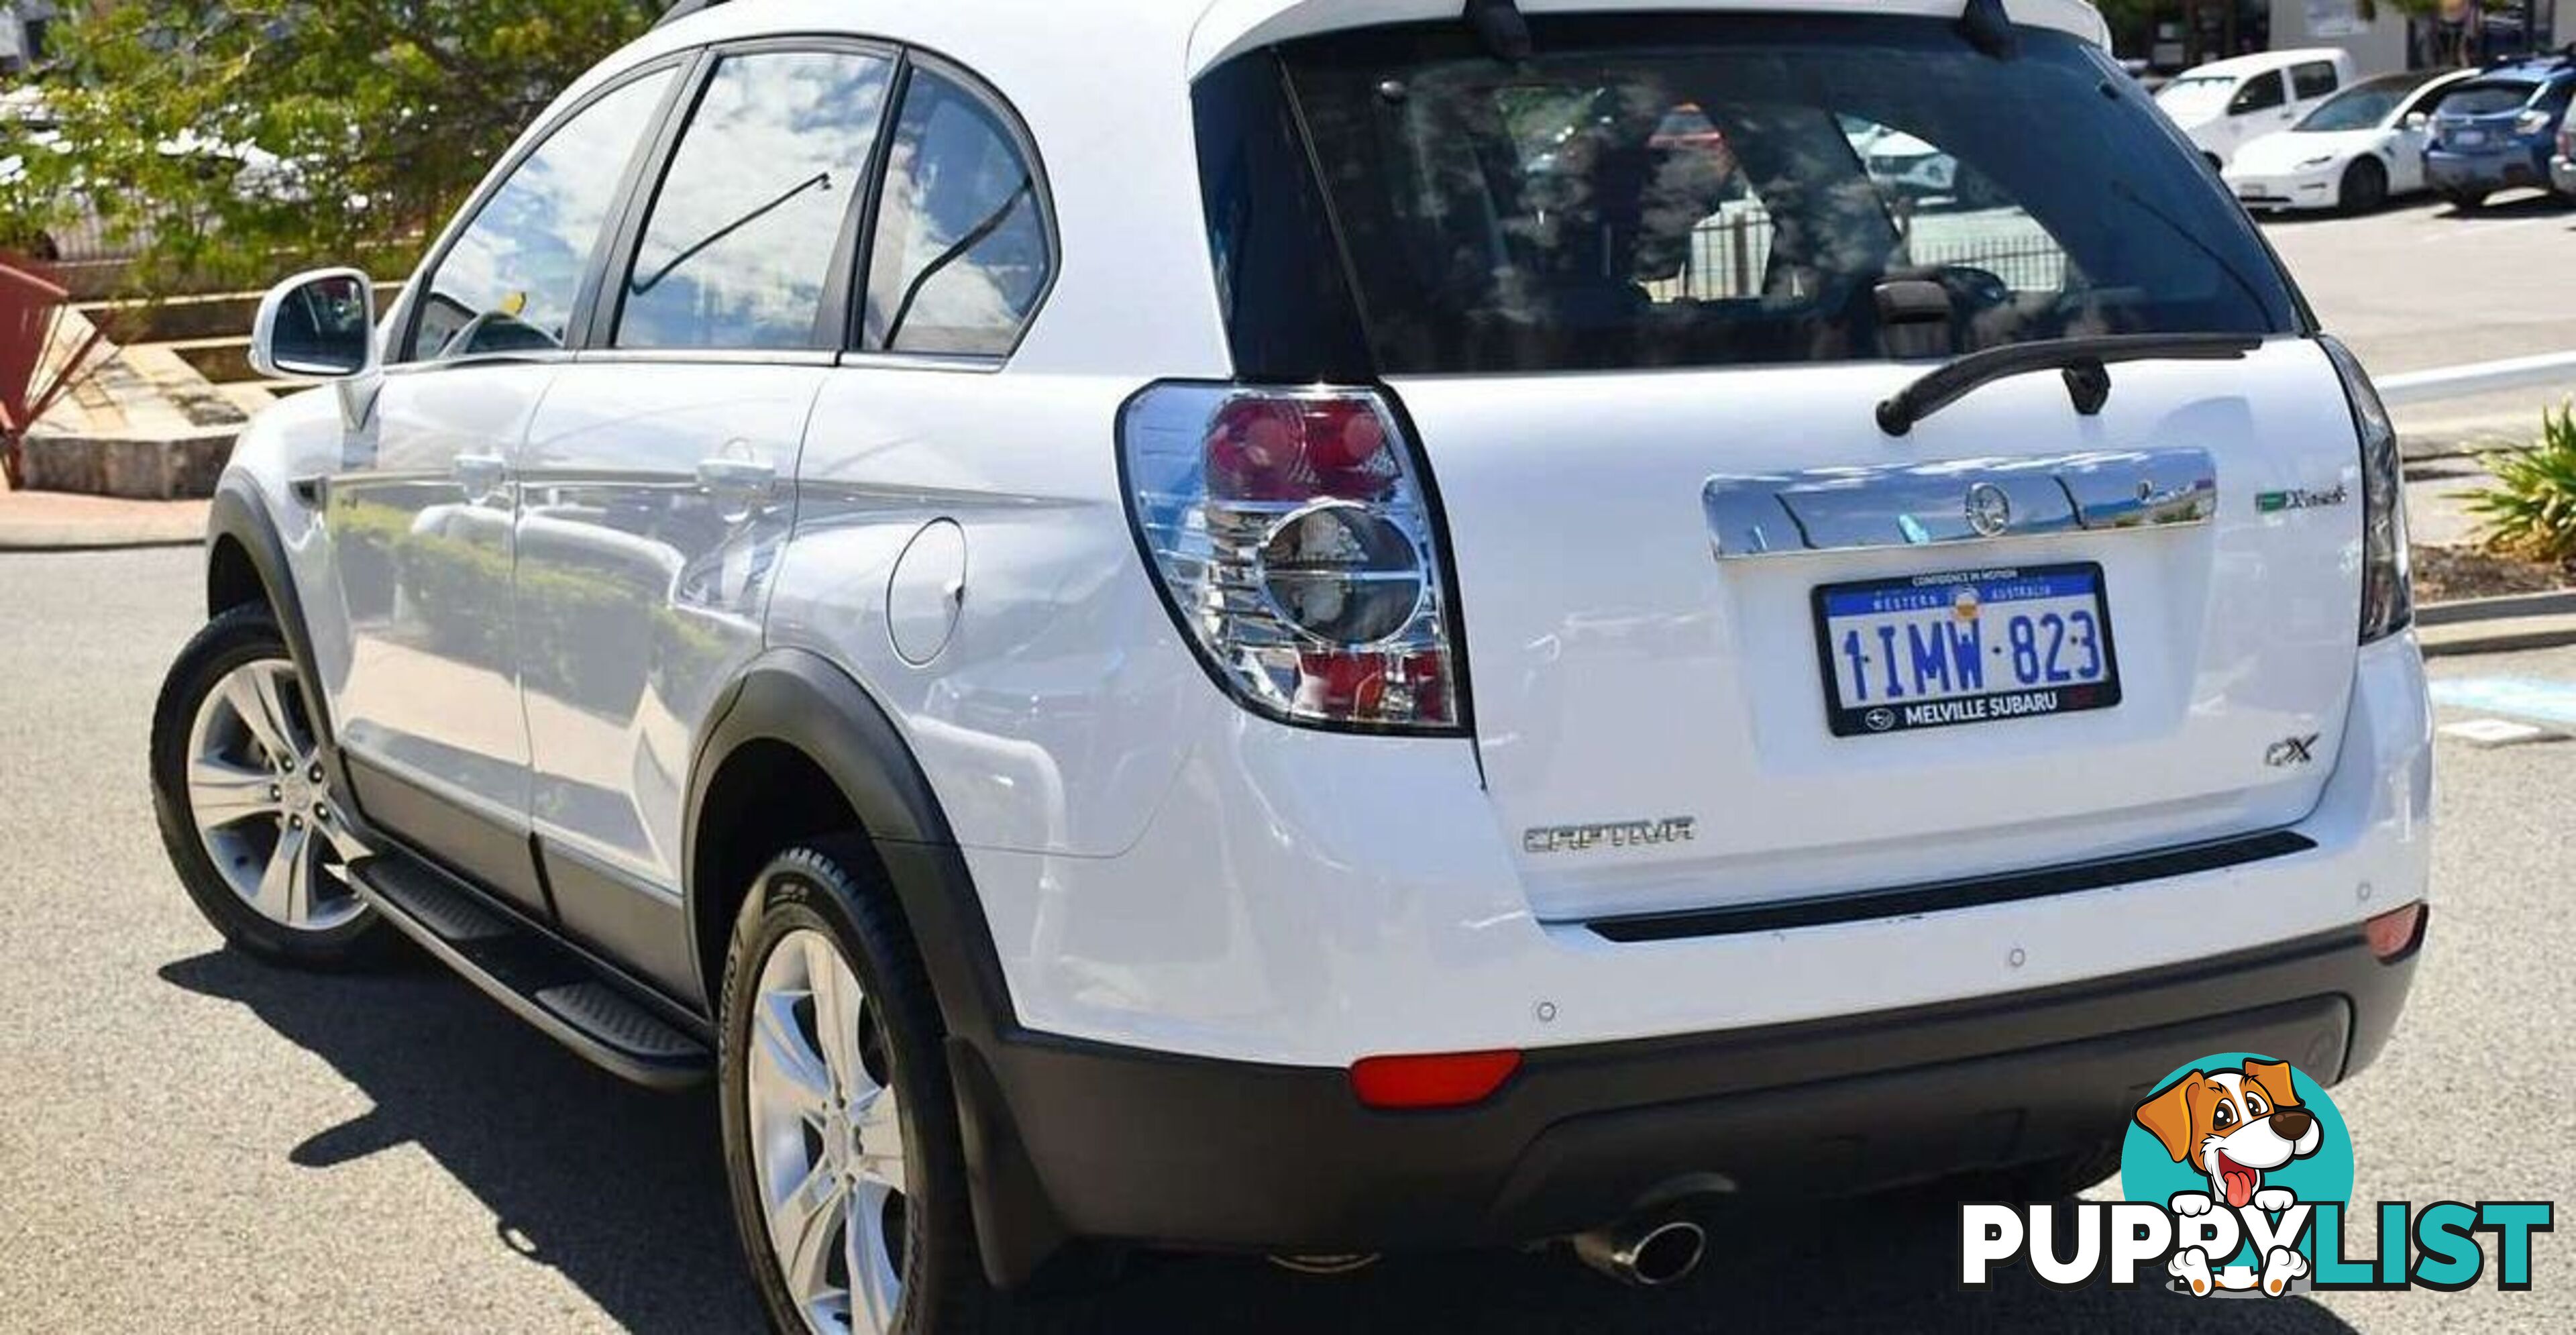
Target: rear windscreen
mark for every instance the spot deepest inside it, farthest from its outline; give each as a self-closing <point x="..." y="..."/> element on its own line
<point x="1730" y="190"/>
<point x="2487" y="97"/>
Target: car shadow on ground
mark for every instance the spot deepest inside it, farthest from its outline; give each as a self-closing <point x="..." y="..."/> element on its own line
<point x="2518" y="205"/>
<point x="622" y="1192"/>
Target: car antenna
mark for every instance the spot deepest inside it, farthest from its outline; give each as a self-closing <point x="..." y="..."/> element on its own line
<point x="1989" y="29"/>
<point x="1499" y="25"/>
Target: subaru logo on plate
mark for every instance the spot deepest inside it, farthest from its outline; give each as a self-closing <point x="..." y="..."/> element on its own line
<point x="1880" y="720"/>
<point x="1989" y="510"/>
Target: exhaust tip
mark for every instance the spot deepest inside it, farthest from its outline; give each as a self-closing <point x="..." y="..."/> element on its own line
<point x="1647" y="1255"/>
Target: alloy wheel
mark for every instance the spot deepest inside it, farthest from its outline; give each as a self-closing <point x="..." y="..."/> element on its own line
<point x="260" y="802"/>
<point x="827" y="1139"/>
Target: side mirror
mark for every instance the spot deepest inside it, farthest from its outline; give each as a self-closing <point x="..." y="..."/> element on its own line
<point x="2417" y="122"/>
<point x="319" y="325"/>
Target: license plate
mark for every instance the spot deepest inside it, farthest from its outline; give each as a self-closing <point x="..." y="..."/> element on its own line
<point x="1972" y="646"/>
<point x="2468" y="138"/>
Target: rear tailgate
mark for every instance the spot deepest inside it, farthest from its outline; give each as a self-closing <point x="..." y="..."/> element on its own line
<point x="1643" y="372"/>
<point x="1624" y="672"/>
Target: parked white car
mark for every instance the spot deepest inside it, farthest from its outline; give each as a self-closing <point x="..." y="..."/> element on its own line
<point x="1123" y="654"/>
<point x="2357" y="150"/>
<point x="2226" y="104"/>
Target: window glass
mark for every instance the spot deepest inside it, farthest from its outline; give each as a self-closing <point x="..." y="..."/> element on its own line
<point x="509" y="283"/>
<point x="742" y="234"/>
<point x="961" y="251"/>
<point x="2315" y="78"/>
<point x="2261" y="93"/>
<point x="1681" y="192"/>
<point x="2487" y="97"/>
<point x="2364" y="105"/>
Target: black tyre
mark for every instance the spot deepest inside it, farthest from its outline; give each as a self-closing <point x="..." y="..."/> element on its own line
<point x="237" y="786"/>
<point x="2365" y="187"/>
<point x="832" y="1047"/>
<point x="2466" y="201"/>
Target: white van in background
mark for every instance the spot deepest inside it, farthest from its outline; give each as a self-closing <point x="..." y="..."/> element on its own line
<point x="2225" y="103"/>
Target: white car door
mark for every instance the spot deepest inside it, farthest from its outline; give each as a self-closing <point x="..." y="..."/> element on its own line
<point x="420" y="509"/>
<point x="2261" y="105"/>
<point x="655" y="496"/>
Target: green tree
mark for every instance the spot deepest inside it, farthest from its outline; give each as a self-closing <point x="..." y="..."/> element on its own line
<point x="362" y="122"/>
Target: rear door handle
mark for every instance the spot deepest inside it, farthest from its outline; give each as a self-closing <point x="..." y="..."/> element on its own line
<point x="481" y="476"/>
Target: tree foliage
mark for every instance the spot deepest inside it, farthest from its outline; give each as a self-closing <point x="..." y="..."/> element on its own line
<point x="229" y="137"/>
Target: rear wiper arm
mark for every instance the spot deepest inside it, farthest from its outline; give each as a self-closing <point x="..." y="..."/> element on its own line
<point x="2081" y="360"/>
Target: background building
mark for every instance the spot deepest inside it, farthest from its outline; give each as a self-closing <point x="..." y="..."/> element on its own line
<point x="2382" y="35"/>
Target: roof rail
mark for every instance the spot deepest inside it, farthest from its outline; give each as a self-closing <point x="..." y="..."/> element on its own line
<point x="683" y="9"/>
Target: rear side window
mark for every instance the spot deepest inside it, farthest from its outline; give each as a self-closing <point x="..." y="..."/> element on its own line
<point x="2316" y="78"/>
<point x="2260" y="93"/>
<point x="1746" y="190"/>
<point x="741" y="237"/>
<point x="962" y="251"/>
<point x="510" y="282"/>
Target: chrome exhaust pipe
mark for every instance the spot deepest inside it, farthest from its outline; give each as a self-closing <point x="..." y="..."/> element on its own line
<point x="1648" y="1252"/>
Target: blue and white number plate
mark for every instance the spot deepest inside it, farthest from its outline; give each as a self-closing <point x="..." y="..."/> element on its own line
<point x="1971" y="646"/>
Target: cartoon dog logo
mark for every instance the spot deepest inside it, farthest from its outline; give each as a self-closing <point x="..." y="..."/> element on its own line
<point x="2232" y="1127"/>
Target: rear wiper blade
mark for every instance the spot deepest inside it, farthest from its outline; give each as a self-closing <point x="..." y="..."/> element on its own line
<point x="2081" y="360"/>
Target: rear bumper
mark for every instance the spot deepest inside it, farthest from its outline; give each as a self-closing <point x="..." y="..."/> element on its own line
<point x="2499" y="169"/>
<point x="2562" y="176"/>
<point x="1154" y="1149"/>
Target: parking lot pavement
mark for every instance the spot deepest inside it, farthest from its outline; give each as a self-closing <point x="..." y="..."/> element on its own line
<point x="190" y="1141"/>
<point x="2423" y="285"/>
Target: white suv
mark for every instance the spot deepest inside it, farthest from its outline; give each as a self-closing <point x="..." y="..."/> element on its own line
<point x="1256" y="626"/>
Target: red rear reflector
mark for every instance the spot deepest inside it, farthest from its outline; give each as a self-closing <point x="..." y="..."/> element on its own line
<point x="1449" y="1080"/>
<point x="2396" y="932"/>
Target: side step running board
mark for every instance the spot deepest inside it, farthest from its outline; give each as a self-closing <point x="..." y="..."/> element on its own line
<point x="541" y="982"/>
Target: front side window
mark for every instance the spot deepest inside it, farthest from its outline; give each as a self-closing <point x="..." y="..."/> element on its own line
<point x="740" y="241"/>
<point x="2261" y="93"/>
<point x="1746" y="190"/>
<point x="510" y="282"/>
<point x="962" y="251"/>
<point x="2314" y="78"/>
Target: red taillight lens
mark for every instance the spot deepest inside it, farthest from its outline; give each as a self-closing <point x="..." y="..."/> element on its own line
<point x="1262" y="448"/>
<point x="1447" y="1080"/>
<point x="1293" y="533"/>
<point x="2395" y="933"/>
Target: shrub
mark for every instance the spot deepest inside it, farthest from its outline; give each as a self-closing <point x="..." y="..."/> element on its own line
<point x="2530" y="509"/>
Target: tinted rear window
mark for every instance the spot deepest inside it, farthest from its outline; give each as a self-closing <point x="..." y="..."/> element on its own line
<point x="1741" y="190"/>
<point x="2486" y="97"/>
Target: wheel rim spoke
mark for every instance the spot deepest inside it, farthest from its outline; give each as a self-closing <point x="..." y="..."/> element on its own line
<point x="286" y="888"/>
<point x="880" y="1125"/>
<point x="255" y="698"/>
<point x="222" y="794"/>
<point x="836" y="1015"/>
<point x="804" y="1225"/>
<point x="876" y="1290"/>
<point x="791" y="1073"/>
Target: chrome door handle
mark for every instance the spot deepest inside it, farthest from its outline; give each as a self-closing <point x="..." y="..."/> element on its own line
<point x="481" y="476"/>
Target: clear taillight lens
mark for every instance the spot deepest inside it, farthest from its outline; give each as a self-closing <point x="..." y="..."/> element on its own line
<point x="1294" y="541"/>
<point x="2387" y="578"/>
<point x="2531" y="123"/>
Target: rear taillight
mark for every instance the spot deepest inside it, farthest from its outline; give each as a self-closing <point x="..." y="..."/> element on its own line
<point x="2567" y="142"/>
<point x="2387" y="580"/>
<point x="2531" y="123"/>
<point x="1293" y="536"/>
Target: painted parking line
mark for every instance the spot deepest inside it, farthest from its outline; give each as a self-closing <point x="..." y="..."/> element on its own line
<point x="2519" y="697"/>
